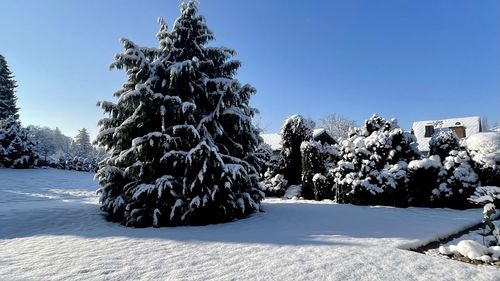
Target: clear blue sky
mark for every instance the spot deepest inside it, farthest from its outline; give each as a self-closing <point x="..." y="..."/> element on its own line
<point x="413" y="60"/>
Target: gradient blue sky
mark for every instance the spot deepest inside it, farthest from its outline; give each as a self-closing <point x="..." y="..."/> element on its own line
<point x="413" y="60"/>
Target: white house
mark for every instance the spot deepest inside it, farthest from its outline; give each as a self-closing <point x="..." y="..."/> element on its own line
<point x="463" y="127"/>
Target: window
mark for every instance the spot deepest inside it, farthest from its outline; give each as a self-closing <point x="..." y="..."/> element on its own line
<point x="460" y="131"/>
<point x="429" y="131"/>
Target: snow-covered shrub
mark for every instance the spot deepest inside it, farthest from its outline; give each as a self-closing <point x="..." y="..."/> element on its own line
<point x="484" y="149"/>
<point x="424" y="177"/>
<point x="373" y="164"/>
<point x="472" y="250"/>
<point x="295" y="130"/>
<point x="490" y="252"/>
<point x="16" y="149"/>
<point x="488" y="196"/>
<point x="443" y="142"/>
<point x="274" y="185"/>
<point x="314" y="167"/>
<point x="180" y="133"/>
<point x="293" y="192"/>
<point x="458" y="181"/>
<point x="81" y="164"/>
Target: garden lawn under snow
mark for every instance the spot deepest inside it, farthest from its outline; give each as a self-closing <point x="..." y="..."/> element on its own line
<point x="51" y="229"/>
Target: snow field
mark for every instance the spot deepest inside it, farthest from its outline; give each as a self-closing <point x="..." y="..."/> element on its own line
<point x="52" y="229"/>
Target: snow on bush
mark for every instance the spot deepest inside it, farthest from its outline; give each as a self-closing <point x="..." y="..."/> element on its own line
<point x="443" y="142"/>
<point x="16" y="149"/>
<point x="293" y="192"/>
<point x="295" y="130"/>
<point x="423" y="177"/>
<point x="274" y="185"/>
<point x="472" y="249"/>
<point x="373" y="162"/>
<point x="484" y="195"/>
<point x="484" y="149"/>
<point x="458" y="181"/>
<point x="487" y="196"/>
<point x="314" y="167"/>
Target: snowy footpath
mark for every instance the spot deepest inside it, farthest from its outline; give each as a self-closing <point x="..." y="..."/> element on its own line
<point x="51" y="229"/>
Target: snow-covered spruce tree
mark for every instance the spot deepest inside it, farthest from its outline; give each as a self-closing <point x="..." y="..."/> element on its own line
<point x="373" y="164"/>
<point x="7" y="95"/>
<point x="16" y="149"/>
<point x="443" y="142"/>
<point x="295" y="130"/>
<point x="458" y="181"/>
<point x="180" y="136"/>
<point x="314" y="167"/>
<point x="81" y="146"/>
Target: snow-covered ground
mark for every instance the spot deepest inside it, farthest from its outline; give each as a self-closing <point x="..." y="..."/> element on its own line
<point x="51" y="229"/>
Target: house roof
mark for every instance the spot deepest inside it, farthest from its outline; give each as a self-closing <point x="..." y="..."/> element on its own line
<point x="472" y="126"/>
<point x="274" y="140"/>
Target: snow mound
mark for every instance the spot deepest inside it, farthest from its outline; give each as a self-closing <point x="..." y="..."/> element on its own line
<point x="293" y="192"/>
<point x="432" y="162"/>
<point x="472" y="250"/>
<point x="485" y="148"/>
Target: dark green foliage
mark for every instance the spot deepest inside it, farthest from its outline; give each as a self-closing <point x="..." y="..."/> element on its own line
<point x="443" y="142"/>
<point x="16" y="149"/>
<point x="180" y="139"/>
<point x="314" y="167"/>
<point x="295" y="130"/>
<point x="458" y="181"/>
<point x="7" y="95"/>
<point x="424" y="177"/>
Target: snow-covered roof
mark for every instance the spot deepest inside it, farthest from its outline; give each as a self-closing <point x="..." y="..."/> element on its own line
<point x="318" y="131"/>
<point x="472" y="126"/>
<point x="274" y="140"/>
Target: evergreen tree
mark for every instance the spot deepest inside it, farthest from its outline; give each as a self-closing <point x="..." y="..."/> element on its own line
<point x="443" y="142"/>
<point x="7" y="94"/>
<point x="458" y="181"/>
<point x="16" y="149"/>
<point x="313" y="167"/>
<point x="295" y="130"/>
<point x="180" y="138"/>
<point x="82" y="146"/>
<point x="373" y="164"/>
<point x="424" y="178"/>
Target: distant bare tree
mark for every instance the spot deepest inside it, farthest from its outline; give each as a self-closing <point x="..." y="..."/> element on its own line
<point x="337" y="125"/>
